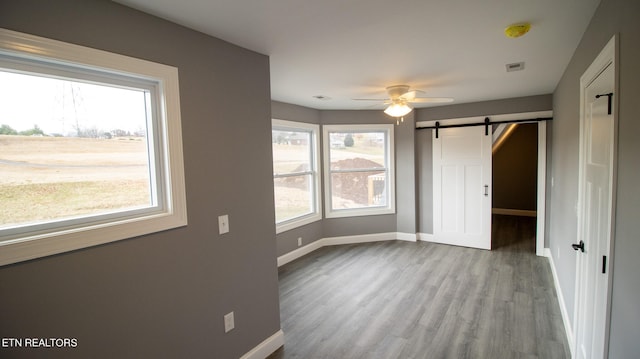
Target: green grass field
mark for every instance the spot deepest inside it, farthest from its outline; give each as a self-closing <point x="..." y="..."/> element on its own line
<point x="46" y="178"/>
<point x="47" y="201"/>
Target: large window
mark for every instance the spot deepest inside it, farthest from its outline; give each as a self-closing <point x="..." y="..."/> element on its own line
<point x="295" y="174"/>
<point x="359" y="174"/>
<point x="90" y="147"/>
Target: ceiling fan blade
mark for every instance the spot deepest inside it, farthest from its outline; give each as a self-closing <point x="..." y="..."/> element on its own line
<point x="431" y="99"/>
<point x="410" y="95"/>
<point x="371" y="99"/>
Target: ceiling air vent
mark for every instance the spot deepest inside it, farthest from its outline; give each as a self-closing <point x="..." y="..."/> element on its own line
<point x="516" y="66"/>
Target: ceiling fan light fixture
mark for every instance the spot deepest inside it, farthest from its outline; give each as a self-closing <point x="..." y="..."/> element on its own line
<point x="398" y="109"/>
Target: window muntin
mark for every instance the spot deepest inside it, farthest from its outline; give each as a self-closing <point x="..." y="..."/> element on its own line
<point x="156" y="157"/>
<point x="360" y="178"/>
<point x="295" y="174"/>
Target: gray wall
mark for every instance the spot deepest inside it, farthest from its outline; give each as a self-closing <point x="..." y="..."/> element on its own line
<point x="164" y="295"/>
<point x="485" y="108"/>
<point x="612" y="17"/>
<point x="289" y="112"/>
<point x="515" y="170"/>
<point x="406" y="186"/>
<point x="424" y="169"/>
<point x="423" y="137"/>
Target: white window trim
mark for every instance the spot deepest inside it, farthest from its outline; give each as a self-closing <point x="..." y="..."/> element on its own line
<point x="174" y="212"/>
<point x="390" y="149"/>
<point x="315" y="138"/>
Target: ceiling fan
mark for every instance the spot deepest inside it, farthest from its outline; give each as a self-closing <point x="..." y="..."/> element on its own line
<point x="400" y="98"/>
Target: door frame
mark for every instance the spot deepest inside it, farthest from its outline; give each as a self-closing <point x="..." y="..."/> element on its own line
<point x="608" y="56"/>
<point x="542" y="162"/>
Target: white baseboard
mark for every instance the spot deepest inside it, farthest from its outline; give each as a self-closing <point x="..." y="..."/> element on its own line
<point x="267" y="347"/>
<point x="563" y="308"/>
<point x="514" y="212"/>
<point x="297" y="253"/>
<point x="334" y="241"/>
<point x="425" y="237"/>
<point x="409" y="237"/>
<point x="361" y="238"/>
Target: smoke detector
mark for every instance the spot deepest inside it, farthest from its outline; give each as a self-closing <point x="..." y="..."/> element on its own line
<point x="517" y="30"/>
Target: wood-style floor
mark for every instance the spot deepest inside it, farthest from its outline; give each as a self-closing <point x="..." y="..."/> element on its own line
<point x="423" y="300"/>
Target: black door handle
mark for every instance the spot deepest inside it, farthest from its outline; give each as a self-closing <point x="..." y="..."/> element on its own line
<point x="579" y="246"/>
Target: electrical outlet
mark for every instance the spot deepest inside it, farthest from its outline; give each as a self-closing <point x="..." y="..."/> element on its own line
<point x="299" y="241"/>
<point x="229" y="322"/>
<point x="223" y="224"/>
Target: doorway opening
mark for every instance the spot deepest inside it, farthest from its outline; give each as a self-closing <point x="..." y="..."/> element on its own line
<point x="514" y="195"/>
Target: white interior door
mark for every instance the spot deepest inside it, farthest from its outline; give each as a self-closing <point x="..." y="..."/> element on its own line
<point x="595" y="209"/>
<point x="462" y="187"/>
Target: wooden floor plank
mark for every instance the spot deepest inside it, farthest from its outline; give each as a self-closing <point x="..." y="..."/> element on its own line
<point x="423" y="300"/>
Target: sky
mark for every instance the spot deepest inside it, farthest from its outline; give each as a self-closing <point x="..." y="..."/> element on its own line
<point x="56" y="106"/>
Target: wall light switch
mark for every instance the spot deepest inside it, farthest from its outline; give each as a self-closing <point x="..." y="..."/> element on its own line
<point x="223" y="224"/>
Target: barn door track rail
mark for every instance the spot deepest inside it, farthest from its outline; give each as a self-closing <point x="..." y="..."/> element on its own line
<point x="487" y="122"/>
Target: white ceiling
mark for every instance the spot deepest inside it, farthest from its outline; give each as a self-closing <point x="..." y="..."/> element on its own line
<point x="347" y="49"/>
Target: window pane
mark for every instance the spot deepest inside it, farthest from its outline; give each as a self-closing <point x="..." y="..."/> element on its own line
<point x="359" y="175"/>
<point x="70" y="149"/>
<point x="296" y="182"/>
<point x="358" y="190"/>
<point x="357" y="150"/>
<point x="293" y="197"/>
<point x="291" y="151"/>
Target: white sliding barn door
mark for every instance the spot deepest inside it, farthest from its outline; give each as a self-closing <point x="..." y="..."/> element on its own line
<point x="462" y="187"/>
